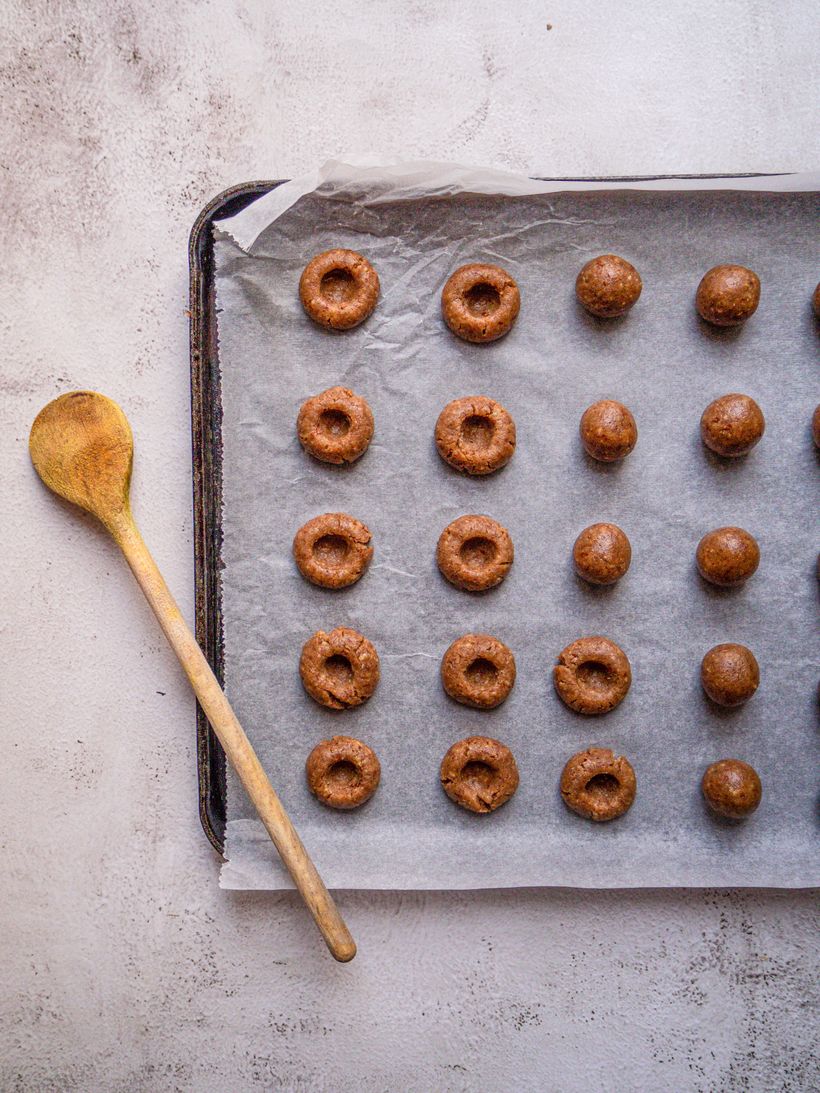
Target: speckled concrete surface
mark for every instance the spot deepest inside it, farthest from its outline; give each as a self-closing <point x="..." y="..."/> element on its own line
<point x="123" y="965"/>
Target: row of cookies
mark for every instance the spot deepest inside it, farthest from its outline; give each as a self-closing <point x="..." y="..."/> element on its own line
<point x="480" y="302"/>
<point x="476" y="435"/>
<point x="481" y="774"/>
<point x="592" y="675"/>
<point x="475" y="552"/>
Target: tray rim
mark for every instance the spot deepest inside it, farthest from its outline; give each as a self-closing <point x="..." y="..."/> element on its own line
<point x="206" y="458"/>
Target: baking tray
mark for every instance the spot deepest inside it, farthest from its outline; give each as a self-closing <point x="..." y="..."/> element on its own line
<point x="206" y="440"/>
<point x="206" y="426"/>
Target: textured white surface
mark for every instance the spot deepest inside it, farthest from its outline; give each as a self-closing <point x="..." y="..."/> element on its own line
<point x="124" y="967"/>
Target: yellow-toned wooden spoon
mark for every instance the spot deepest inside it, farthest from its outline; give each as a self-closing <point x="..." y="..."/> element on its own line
<point x="82" y="448"/>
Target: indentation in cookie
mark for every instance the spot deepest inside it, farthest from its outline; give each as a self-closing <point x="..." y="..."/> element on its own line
<point x="478" y="552"/>
<point x="334" y="422"/>
<point x="339" y="668"/>
<point x="338" y="285"/>
<point x="603" y="785"/>
<point x="478" y="774"/>
<point x="591" y="673"/>
<point x="482" y="299"/>
<point x="477" y="431"/>
<point x="344" y="774"/>
<point x="331" y="549"/>
<point x="481" y="672"/>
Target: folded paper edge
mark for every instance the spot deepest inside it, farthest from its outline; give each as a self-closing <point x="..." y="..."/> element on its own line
<point x="406" y="180"/>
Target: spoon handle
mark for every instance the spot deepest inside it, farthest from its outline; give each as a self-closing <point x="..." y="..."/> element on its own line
<point x="233" y="739"/>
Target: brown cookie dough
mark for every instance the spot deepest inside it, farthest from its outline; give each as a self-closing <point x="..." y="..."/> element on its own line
<point x="601" y="554"/>
<point x="727" y="556"/>
<point x="343" y="772"/>
<point x="608" y="431"/>
<point x="815" y="300"/>
<point x="598" y="785"/>
<point x="479" y="774"/>
<point x="335" y="426"/>
<point x="332" y="550"/>
<point x="729" y="674"/>
<point x="608" y="286"/>
<point x="592" y="675"/>
<point x="339" y="289"/>
<point x="480" y="302"/>
<point x="815" y="425"/>
<point x="732" y="425"/>
<point x="339" y="669"/>
<point x="728" y="295"/>
<point x="474" y="553"/>
<point x="478" y="670"/>
<point x="475" y="435"/>
<point x="732" y="788"/>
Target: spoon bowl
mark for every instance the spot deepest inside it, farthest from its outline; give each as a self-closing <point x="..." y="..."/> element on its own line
<point x="82" y="448"/>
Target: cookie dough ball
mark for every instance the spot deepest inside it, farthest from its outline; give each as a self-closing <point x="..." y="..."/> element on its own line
<point x="732" y="788"/>
<point x="598" y="785"/>
<point x="592" y="675"/>
<point x="479" y="773"/>
<point x="608" y="431"/>
<point x="601" y="554"/>
<point x="729" y="674"/>
<point x="332" y="550"/>
<point x="608" y="286"/>
<point x="480" y="302"/>
<point x="343" y="772"/>
<point x="478" y="670"/>
<point x="732" y="425"/>
<point x="474" y="553"/>
<point x="815" y="301"/>
<point x="335" y="426"/>
<point x="815" y="425"/>
<point x="339" y="289"/>
<point x="728" y="295"/>
<point x="339" y="669"/>
<point x="727" y="556"/>
<point x="475" y="435"/>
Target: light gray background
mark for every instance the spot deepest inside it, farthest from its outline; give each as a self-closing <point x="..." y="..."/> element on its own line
<point x="123" y="965"/>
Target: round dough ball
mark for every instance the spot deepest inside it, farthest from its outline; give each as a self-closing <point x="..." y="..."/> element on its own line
<point x="343" y="772"/>
<point x="339" y="289"/>
<point x="475" y="435"/>
<point x="732" y="788"/>
<point x="335" y="426"/>
<point x="815" y="301"/>
<point x="727" y="556"/>
<point x="608" y="286"/>
<point x="474" y="553"/>
<point x="598" y="785"/>
<point x="608" y="431"/>
<point x="728" y="295"/>
<point x="592" y="675"/>
<point x="815" y="425"/>
<point x="730" y="674"/>
<point x="479" y="773"/>
<point x="332" y="550"/>
<point x="732" y="425"/>
<point x="480" y="302"/>
<point x="339" y="669"/>
<point x="601" y="554"/>
<point x="478" y="670"/>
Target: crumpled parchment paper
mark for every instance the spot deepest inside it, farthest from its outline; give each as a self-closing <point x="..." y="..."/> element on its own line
<point x="417" y="223"/>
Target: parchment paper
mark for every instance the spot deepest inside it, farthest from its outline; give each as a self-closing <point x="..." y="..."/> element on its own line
<point x="666" y="366"/>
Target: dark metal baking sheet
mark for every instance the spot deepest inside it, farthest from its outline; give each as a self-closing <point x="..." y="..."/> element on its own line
<point x="206" y="439"/>
<point x="206" y="425"/>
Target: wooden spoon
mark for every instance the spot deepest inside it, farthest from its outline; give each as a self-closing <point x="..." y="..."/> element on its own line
<point x="82" y="448"/>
